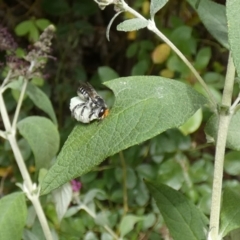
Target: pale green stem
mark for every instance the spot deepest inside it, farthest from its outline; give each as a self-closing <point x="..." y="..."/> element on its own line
<point x="5" y="81"/>
<point x="152" y="27"/>
<point x="19" y="104"/>
<point x="224" y="120"/>
<point x="10" y="134"/>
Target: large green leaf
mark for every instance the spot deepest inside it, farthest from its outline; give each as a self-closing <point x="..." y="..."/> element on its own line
<point x="213" y="16"/>
<point x="42" y="136"/>
<point x="39" y="98"/>
<point x="183" y="219"/>
<point x="144" y="107"/>
<point x="13" y="216"/>
<point x="230" y="213"/>
<point x="233" y="18"/>
<point x="233" y="137"/>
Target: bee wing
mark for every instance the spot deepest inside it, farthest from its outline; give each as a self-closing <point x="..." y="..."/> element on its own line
<point x="86" y="91"/>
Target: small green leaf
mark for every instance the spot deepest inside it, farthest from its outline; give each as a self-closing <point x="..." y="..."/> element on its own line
<point x="231" y="164"/>
<point x="213" y="16"/>
<point x="33" y="34"/>
<point x="203" y="57"/>
<point x="144" y="107"/>
<point x="127" y="224"/>
<point x="43" y="138"/>
<point x="178" y="213"/>
<point x="62" y="198"/>
<point x="233" y="19"/>
<point x="233" y="137"/>
<point x="13" y="216"/>
<point x="42" y="23"/>
<point x="230" y="213"/>
<point x="24" y="27"/>
<point x="106" y="73"/>
<point x="132" y="24"/>
<point x="156" y="5"/>
<point x="140" y="68"/>
<point x="192" y="124"/>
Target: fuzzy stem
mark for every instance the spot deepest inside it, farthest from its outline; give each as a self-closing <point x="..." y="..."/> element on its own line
<point x="10" y="134"/>
<point x="152" y="27"/>
<point x="224" y="120"/>
<point x="19" y="104"/>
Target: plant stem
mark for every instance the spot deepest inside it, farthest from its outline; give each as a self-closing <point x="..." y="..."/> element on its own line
<point x="19" y="104"/>
<point x="224" y="120"/>
<point x="152" y="27"/>
<point x="125" y="194"/>
<point x="10" y="134"/>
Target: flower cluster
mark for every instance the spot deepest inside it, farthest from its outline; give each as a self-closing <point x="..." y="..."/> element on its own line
<point x="7" y="42"/>
<point x="41" y="49"/>
<point x="34" y="61"/>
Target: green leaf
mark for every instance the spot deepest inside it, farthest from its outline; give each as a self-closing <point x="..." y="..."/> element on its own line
<point x="233" y="137"/>
<point x="13" y="216"/>
<point x="140" y="68"/>
<point x="62" y="197"/>
<point x="203" y="57"/>
<point x="42" y="23"/>
<point x="127" y="224"/>
<point x="33" y="34"/>
<point x="156" y="5"/>
<point x="43" y="138"/>
<point x="213" y="16"/>
<point x="230" y="213"/>
<point x="144" y="107"/>
<point x="180" y="215"/>
<point x="192" y="124"/>
<point x="231" y="164"/>
<point x="39" y="98"/>
<point x="106" y="73"/>
<point x="132" y="24"/>
<point x="24" y="27"/>
<point x="233" y="19"/>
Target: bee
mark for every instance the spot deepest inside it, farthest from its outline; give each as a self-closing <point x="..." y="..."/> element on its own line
<point x="88" y="105"/>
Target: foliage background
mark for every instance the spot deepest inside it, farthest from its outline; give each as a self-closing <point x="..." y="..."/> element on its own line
<point x="181" y="159"/>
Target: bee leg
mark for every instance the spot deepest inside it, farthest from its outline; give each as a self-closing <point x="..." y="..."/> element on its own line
<point x="76" y="107"/>
<point x="83" y="109"/>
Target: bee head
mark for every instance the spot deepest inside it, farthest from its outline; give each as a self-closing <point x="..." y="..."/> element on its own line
<point x="103" y="112"/>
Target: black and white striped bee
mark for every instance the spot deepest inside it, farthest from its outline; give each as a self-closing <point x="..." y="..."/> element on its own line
<point x="88" y="105"/>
